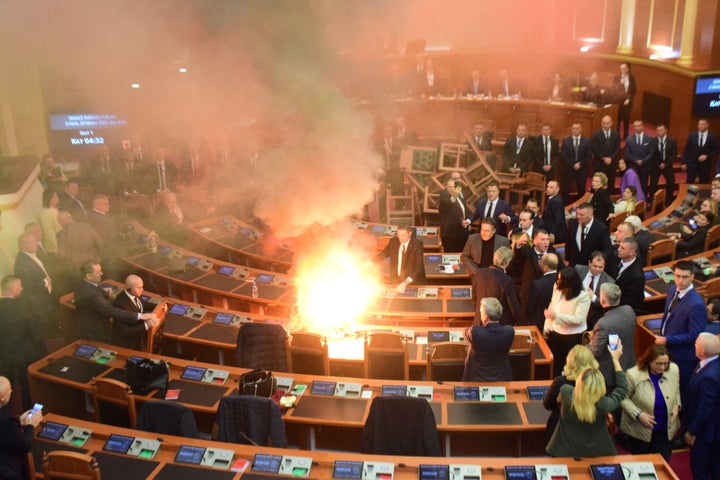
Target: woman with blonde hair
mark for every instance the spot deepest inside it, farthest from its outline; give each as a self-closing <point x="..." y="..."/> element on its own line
<point x="578" y="359"/>
<point x="602" y="205"/>
<point x="582" y="430"/>
<point x="650" y="413"/>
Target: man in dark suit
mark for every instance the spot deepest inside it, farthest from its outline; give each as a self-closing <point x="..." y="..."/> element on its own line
<point x="593" y="276"/>
<point x="506" y="86"/>
<point x="70" y="202"/>
<point x="533" y="205"/>
<point x="482" y="138"/>
<point x="554" y="214"/>
<point x="518" y="151"/>
<point x="585" y="236"/>
<point x="700" y="149"/>
<point x="169" y="220"/>
<point x="702" y="412"/>
<point x="525" y="266"/>
<point x="547" y="153"/>
<point x="93" y="307"/>
<point x="495" y="282"/>
<point x="639" y="154"/>
<point x="683" y="319"/>
<point x="453" y="215"/>
<point x="161" y="174"/>
<point x="406" y="259"/>
<point x="17" y="435"/>
<point x="575" y="154"/>
<point x="605" y="145"/>
<point x="17" y="346"/>
<point x="480" y="247"/>
<point x="627" y="270"/>
<point x="132" y="334"/>
<point x="490" y="343"/>
<point x="541" y="290"/>
<point x="624" y="88"/>
<point x="476" y="85"/>
<point x="618" y="320"/>
<point x="36" y="298"/>
<point x="494" y="207"/>
<point x="662" y="164"/>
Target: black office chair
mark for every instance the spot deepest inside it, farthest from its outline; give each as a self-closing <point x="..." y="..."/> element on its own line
<point x="160" y="416"/>
<point x="400" y="426"/>
<point x="261" y="345"/>
<point x="249" y="420"/>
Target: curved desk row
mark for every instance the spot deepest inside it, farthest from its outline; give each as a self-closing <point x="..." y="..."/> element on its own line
<point x="163" y="464"/>
<point x="503" y="413"/>
<point x="211" y="333"/>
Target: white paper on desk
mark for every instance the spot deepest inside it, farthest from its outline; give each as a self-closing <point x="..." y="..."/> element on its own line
<point x="366" y="394"/>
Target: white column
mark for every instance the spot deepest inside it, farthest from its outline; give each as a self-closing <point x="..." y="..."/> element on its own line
<point x="687" y="42"/>
<point x="627" y="22"/>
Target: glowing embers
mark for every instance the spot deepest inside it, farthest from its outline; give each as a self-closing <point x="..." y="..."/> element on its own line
<point x="334" y="286"/>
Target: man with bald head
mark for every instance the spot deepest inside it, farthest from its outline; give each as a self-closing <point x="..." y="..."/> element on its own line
<point x="128" y="333"/>
<point x="16" y="435"/>
<point x="36" y="297"/>
<point x="605" y="145"/>
<point x="701" y="407"/>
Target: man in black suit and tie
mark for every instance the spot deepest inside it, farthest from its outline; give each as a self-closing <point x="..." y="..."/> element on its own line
<point x="593" y="276"/>
<point x="494" y="207"/>
<point x="624" y="88"/>
<point x="476" y="85"/>
<point x="525" y="266"/>
<point x="37" y="286"/>
<point x="93" y="308"/>
<point x="700" y="149"/>
<point x="662" y="164"/>
<point x="575" y="153"/>
<point x="533" y="205"/>
<point x="70" y="202"/>
<point x="701" y="407"/>
<point x="554" y="214"/>
<point x="605" y="145"/>
<point x="547" y="153"/>
<point x="480" y="247"/>
<point x="406" y="259"/>
<point x="541" y="291"/>
<point x="495" y="282"/>
<point x="627" y="270"/>
<point x="453" y="215"/>
<point x="132" y="334"/>
<point x="639" y="153"/>
<point x="585" y="236"/>
<point x="518" y="151"/>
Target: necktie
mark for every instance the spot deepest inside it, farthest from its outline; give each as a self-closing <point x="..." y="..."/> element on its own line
<point x="662" y="150"/>
<point x="138" y="303"/>
<point x="607" y="134"/>
<point x="675" y="300"/>
<point x="577" y="146"/>
<point x="620" y="268"/>
<point x="592" y="283"/>
<point x="161" y="175"/>
<point x="519" y="145"/>
<point x="638" y="139"/>
<point x="547" y="152"/>
<point x="489" y="212"/>
<point x="400" y="260"/>
<point x="700" y="140"/>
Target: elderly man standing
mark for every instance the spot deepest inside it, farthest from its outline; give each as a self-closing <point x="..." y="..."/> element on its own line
<point x="93" y="307"/>
<point x="490" y="343"/>
<point x="495" y="282"/>
<point x="480" y="247"/>
<point x="36" y="298"/>
<point x="132" y="334"/>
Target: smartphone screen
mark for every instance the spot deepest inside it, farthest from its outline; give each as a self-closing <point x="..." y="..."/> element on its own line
<point x="36" y="408"/>
<point x="692" y="223"/>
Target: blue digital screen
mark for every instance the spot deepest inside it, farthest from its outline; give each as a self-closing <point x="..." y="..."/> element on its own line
<point x="188" y="454"/>
<point x="223" y="318"/>
<point x="266" y="463"/>
<point x="347" y="469"/>
<point x="193" y="373"/>
<point x="53" y="430"/>
<point x="394" y="390"/>
<point x="650" y="275"/>
<point x="537" y="392"/>
<point x="193" y="261"/>
<point x="118" y="443"/>
<point x="323" y="388"/>
<point x="178" y="309"/>
<point x="433" y="258"/>
<point x="85" y="351"/>
<point x="466" y="394"/>
<point x="434" y="472"/>
<point x="460" y="293"/>
<point x="434" y="337"/>
<point x="225" y="270"/>
<point x="263" y="278"/>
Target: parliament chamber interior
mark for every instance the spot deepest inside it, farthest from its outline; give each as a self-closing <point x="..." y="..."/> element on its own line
<point x="263" y="240"/>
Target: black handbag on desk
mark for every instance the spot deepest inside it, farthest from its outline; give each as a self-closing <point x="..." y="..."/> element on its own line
<point x="146" y="374"/>
<point x="260" y="383"/>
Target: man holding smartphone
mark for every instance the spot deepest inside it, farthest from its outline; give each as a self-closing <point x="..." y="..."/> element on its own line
<point x="16" y="435"/>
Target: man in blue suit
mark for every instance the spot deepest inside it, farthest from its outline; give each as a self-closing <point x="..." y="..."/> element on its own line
<point x="703" y="430"/>
<point x="684" y="318"/>
<point x="575" y="153"/>
<point x="496" y="208"/>
<point x="639" y="153"/>
<point x="700" y="148"/>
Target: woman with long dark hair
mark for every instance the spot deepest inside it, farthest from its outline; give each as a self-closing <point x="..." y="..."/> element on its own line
<point x="566" y="316"/>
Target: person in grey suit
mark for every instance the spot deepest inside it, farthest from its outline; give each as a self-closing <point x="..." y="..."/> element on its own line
<point x="618" y="320"/>
<point x="593" y="276"/>
<point x="480" y="247"/>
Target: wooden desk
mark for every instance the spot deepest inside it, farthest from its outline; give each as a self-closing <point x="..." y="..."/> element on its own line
<point x="200" y="334"/>
<point x="406" y="468"/>
<point x="62" y="382"/>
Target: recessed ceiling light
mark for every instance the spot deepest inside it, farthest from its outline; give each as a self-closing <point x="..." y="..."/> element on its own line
<point x="134" y="85"/>
<point x="182" y="70"/>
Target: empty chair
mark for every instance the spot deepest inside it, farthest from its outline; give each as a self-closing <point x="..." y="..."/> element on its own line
<point x="249" y="420"/>
<point x="522" y="357"/>
<point x="660" y="251"/>
<point x="713" y="236"/>
<point x="113" y="402"/>
<point x="386" y="356"/>
<point x="159" y="416"/>
<point x="658" y="202"/>
<point x="65" y="465"/>
<point x="400" y="426"/>
<point x="308" y="353"/>
<point x="261" y="345"/>
<point x="446" y="361"/>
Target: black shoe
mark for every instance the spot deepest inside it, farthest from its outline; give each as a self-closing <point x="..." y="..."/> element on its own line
<point x="678" y="443"/>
